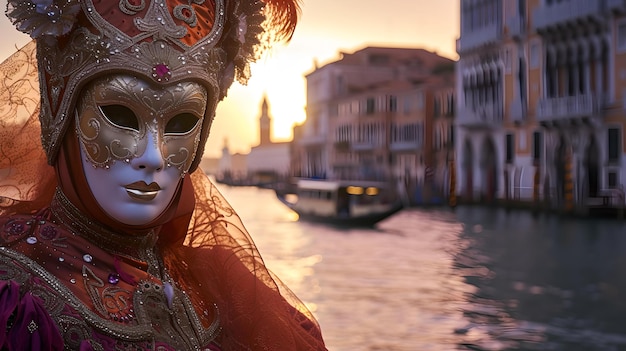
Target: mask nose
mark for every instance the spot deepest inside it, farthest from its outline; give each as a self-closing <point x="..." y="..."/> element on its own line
<point x="152" y="158"/>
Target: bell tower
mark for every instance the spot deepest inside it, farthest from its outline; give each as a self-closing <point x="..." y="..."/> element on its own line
<point x="265" y="123"/>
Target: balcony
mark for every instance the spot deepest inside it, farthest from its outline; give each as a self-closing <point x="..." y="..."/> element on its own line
<point x="313" y="140"/>
<point x="566" y="12"/>
<point x="567" y="108"/>
<point x="363" y="145"/>
<point x="412" y="145"/>
<point x="486" y="115"/>
<point x="475" y="38"/>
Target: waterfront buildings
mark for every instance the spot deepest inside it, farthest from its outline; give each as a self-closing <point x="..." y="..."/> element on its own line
<point x="380" y="114"/>
<point x="541" y="88"/>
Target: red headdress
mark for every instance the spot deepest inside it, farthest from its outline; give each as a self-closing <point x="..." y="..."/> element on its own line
<point x="209" y="41"/>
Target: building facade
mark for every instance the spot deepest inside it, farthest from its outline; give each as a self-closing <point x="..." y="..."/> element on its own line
<point x="541" y="88"/>
<point x="380" y="114"/>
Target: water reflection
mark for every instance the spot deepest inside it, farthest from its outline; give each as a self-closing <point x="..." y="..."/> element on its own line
<point x="389" y="288"/>
<point x="546" y="283"/>
<point x="282" y="241"/>
<point x="470" y="279"/>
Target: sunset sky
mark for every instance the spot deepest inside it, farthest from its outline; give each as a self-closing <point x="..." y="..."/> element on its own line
<point x="326" y="28"/>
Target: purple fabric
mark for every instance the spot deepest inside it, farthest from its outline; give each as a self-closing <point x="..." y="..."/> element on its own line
<point x="9" y="297"/>
<point x="32" y="329"/>
<point x="85" y="345"/>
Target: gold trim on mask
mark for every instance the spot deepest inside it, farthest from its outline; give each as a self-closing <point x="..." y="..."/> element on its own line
<point x="114" y="114"/>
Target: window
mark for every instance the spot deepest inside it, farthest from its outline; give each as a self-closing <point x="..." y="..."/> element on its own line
<point x="420" y="134"/>
<point x="450" y="110"/>
<point x="355" y="107"/>
<point x="378" y="59"/>
<point x="407" y="104"/>
<point x="404" y="133"/>
<point x="521" y="8"/>
<point x="621" y="37"/>
<point x="534" y="55"/>
<point x="393" y="103"/>
<point x="537" y="146"/>
<point x="437" y="142"/>
<point x="451" y="136"/>
<point x="369" y="106"/>
<point x="614" y="142"/>
<point x="521" y="76"/>
<point x="420" y="101"/>
<point x="612" y="180"/>
<point x="437" y="107"/>
<point x="341" y="88"/>
<point x="510" y="147"/>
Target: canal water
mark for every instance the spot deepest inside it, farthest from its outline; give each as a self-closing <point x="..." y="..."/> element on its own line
<point x="436" y="279"/>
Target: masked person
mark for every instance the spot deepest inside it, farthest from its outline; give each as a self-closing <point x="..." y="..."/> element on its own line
<point x="111" y="238"/>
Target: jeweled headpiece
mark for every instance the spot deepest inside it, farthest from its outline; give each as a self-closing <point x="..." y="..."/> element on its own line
<point x="166" y="41"/>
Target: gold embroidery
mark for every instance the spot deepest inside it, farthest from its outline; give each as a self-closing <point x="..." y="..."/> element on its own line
<point x="154" y="322"/>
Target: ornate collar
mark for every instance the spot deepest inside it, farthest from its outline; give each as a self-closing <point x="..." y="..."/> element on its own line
<point x="115" y="242"/>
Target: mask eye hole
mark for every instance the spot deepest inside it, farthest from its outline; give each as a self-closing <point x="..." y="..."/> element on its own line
<point x="182" y="123"/>
<point x="121" y="116"/>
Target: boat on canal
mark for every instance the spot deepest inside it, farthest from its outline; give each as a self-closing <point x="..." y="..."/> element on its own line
<point x="341" y="202"/>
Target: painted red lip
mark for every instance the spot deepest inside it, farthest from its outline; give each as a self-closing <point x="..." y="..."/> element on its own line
<point x="142" y="191"/>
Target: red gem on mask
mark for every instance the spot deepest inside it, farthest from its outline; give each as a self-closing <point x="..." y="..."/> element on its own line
<point x="161" y="72"/>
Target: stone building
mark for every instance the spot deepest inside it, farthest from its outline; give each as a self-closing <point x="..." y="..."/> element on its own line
<point x="541" y="88"/>
<point x="380" y="114"/>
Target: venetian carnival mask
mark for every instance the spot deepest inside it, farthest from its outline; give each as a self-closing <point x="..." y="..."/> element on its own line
<point x="137" y="141"/>
<point x="160" y="46"/>
<point x="116" y="113"/>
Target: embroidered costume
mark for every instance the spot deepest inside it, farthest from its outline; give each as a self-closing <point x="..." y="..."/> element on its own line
<point x="103" y="84"/>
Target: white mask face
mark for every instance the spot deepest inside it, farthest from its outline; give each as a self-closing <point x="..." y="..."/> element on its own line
<point x="137" y="142"/>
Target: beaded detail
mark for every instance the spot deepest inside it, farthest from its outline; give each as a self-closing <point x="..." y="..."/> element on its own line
<point x="122" y="297"/>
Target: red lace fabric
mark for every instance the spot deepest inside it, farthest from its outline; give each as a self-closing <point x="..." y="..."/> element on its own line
<point x="255" y="307"/>
<point x="27" y="182"/>
<point x="206" y="249"/>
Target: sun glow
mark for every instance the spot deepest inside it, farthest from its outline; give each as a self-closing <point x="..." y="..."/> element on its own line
<point x="281" y="79"/>
<point x="237" y="117"/>
<point x="279" y="76"/>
